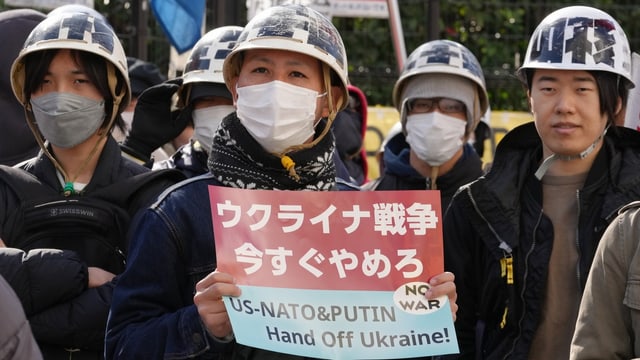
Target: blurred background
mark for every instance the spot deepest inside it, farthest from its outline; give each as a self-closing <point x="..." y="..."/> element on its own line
<point x="374" y="32"/>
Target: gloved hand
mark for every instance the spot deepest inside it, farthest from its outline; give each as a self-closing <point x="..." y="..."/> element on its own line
<point x="154" y="124"/>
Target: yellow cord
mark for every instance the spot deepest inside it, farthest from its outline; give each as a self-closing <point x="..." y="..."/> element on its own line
<point x="290" y="165"/>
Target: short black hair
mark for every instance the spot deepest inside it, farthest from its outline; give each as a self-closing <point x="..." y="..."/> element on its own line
<point x="95" y="66"/>
<point x="611" y="87"/>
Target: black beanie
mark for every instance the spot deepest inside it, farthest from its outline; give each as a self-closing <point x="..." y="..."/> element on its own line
<point x="143" y="75"/>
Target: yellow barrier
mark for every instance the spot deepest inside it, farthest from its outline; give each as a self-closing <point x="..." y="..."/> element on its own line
<point x="381" y="118"/>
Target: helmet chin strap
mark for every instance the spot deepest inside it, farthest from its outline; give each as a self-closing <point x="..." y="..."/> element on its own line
<point x="546" y="164"/>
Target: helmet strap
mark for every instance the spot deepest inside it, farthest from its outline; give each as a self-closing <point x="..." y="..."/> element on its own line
<point x="434" y="176"/>
<point x="68" y="186"/>
<point x="287" y="162"/>
<point x="112" y="80"/>
<point x="546" y="164"/>
<point x="475" y="114"/>
<point x="31" y="122"/>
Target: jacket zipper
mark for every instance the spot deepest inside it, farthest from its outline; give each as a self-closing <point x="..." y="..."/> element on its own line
<point x="506" y="263"/>
<point x="524" y="285"/>
<point x="578" y="276"/>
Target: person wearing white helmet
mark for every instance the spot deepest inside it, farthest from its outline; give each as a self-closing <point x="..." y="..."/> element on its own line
<point x="78" y="194"/>
<point x="521" y="238"/>
<point x="288" y="80"/>
<point x="441" y="97"/>
<point x="204" y="98"/>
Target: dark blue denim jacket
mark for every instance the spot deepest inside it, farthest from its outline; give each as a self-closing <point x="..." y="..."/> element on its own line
<point x="152" y="314"/>
<point x="172" y="248"/>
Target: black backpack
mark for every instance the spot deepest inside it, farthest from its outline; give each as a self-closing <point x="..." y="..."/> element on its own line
<point x="94" y="225"/>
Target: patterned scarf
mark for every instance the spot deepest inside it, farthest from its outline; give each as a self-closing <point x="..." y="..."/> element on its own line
<point x="238" y="161"/>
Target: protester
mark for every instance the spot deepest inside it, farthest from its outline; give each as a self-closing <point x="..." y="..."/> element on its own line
<point x="203" y="101"/>
<point x="145" y="75"/>
<point x="608" y="324"/>
<point x="78" y="194"/>
<point x="204" y="98"/>
<point x="16" y="339"/>
<point x="521" y="239"/>
<point x="16" y="140"/>
<point x="142" y="75"/>
<point x="349" y="129"/>
<point x="441" y="97"/>
<point x="287" y="87"/>
<point x="391" y="133"/>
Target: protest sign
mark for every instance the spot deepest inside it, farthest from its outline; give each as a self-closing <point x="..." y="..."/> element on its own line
<point x="334" y="274"/>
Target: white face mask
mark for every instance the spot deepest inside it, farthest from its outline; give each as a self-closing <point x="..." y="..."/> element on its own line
<point x="206" y="122"/>
<point x="435" y="137"/>
<point x="278" y="115"/>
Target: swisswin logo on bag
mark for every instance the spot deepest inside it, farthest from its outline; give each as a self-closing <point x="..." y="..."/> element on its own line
<point x="95" y="225"/>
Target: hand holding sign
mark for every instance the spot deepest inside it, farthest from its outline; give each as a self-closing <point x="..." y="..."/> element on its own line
<point x="208" y="300"/>
<point x="356" y="275"/>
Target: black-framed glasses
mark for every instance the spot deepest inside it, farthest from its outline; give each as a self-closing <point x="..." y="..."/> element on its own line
<point x="446" y="105"/>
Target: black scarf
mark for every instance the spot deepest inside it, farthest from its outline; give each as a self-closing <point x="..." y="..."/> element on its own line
<point x="237" y="160"/>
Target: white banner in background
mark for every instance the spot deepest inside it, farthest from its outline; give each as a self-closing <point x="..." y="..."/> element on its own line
<point x="255" y="6"/>
<point x="328" y="8"/>
<point x="632" y="118"/>
<point x="360" y="8"/>
<point x="46" y="4"/>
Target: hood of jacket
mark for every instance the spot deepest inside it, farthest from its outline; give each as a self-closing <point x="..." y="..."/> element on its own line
<point x="396" y="158"/>
<point x="16" y="139"/>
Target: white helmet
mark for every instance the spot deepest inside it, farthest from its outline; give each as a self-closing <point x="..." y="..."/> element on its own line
<point x="294" y="28"/>
<point x="445" y="57"/>
<point x="579" y="38"/>
<point x="207" y="56"/>
<point x="205" y="61"/>
<point x="72" y="8"/>
<point x="75" y="31"/>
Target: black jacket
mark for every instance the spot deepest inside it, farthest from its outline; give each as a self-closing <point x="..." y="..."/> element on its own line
<point x="499" y="217"/>
<point x="31" y="276"/>
<point x="63" y="312"/>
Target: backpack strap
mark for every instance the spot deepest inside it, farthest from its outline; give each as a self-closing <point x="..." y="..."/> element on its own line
<point x="139" y="190"/>
<point x="24" y="184"/>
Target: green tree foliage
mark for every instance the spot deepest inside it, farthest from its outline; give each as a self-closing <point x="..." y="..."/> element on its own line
<point x="496" y="31"/>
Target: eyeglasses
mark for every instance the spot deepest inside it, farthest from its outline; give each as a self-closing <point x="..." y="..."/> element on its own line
<point x="446" y="105"/>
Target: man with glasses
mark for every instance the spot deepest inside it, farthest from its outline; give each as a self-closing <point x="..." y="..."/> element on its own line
<point x="441" y="97"/>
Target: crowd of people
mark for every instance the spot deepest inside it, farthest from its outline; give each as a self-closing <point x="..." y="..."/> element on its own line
<point x="106" y="241"/>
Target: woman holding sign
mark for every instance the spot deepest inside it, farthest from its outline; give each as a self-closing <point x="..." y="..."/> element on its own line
<point x="288" y="78"/>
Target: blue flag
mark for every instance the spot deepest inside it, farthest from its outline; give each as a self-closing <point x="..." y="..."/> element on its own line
<point x="181" y="21"/>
